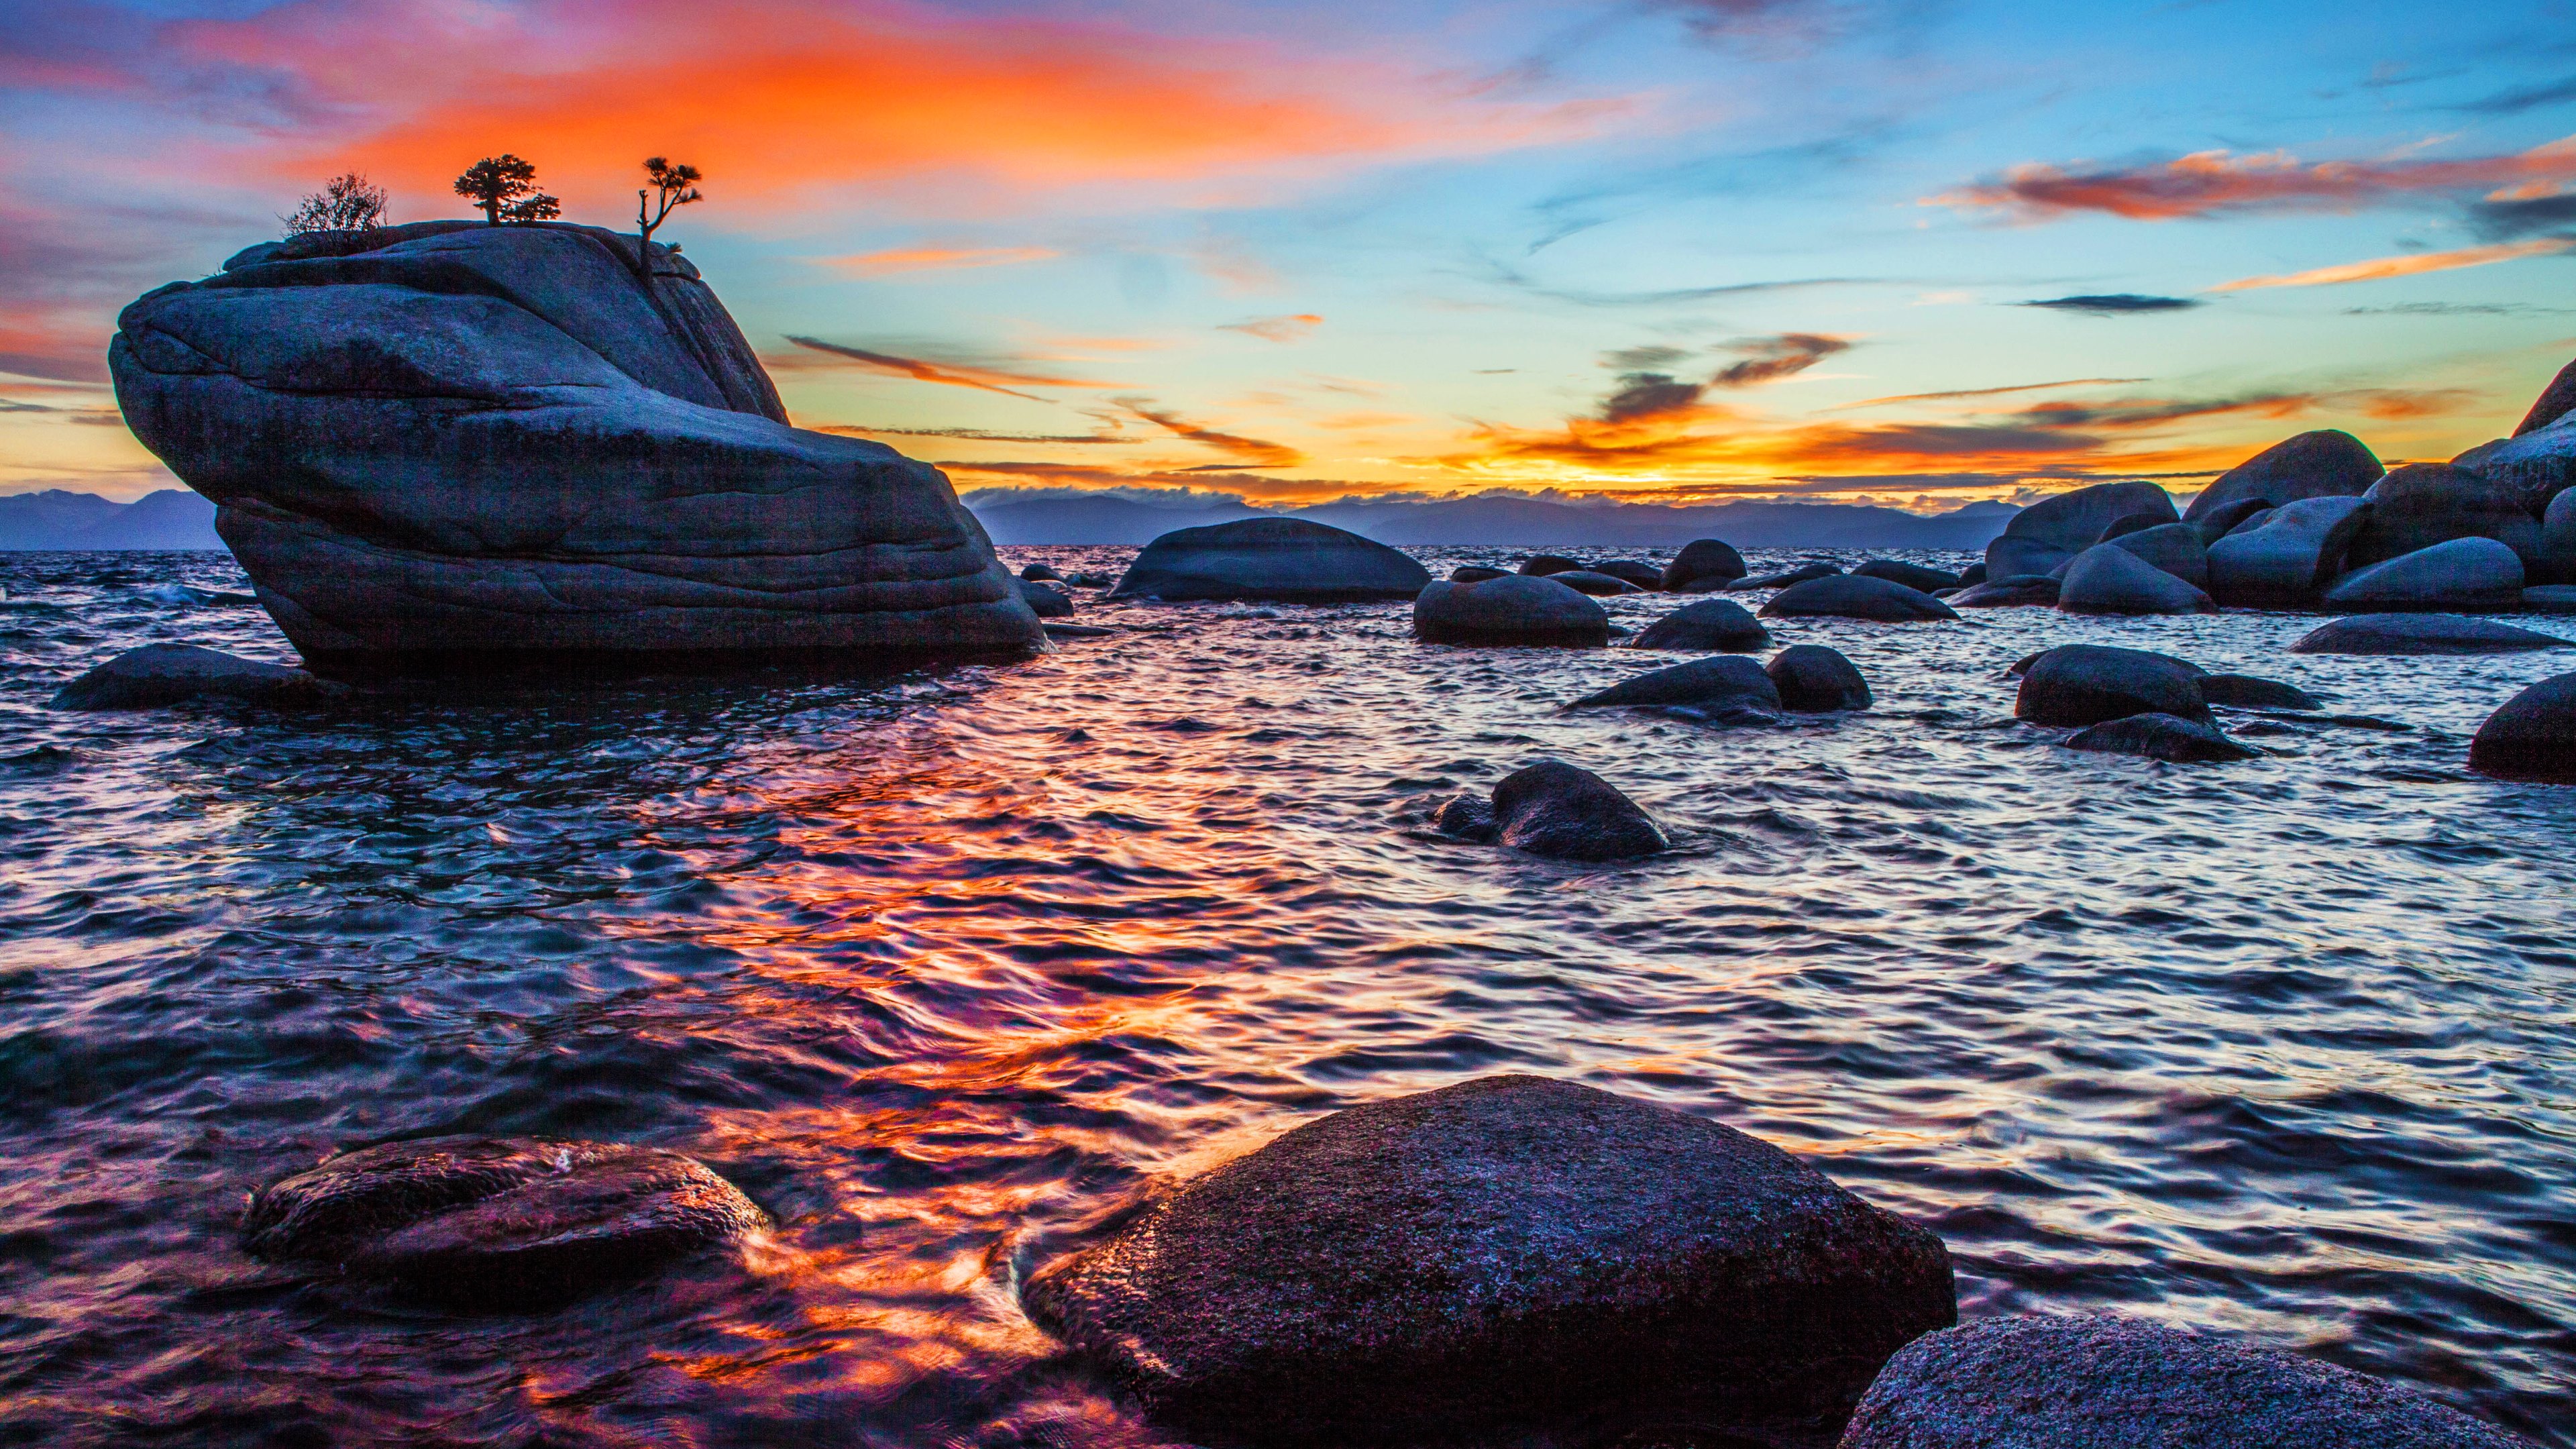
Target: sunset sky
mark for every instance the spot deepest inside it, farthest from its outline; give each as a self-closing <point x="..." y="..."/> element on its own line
<point x="1922" y="253"/>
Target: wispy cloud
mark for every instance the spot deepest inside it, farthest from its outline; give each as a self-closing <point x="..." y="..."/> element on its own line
<point x="859" y="430"/>
<point x="935" y="259"/>
<point x="1293" y="327"/>
<point x="987" y="379"/>
<point x="2115" y="304"/>
<point x="2414" y="264"/>
<point x="1252" y="451"/>
<point x="2209" y="182"/>
<point x="2526" y="98"/>
<point x="1769" y="359"/>
<point x="1914" y="397"/>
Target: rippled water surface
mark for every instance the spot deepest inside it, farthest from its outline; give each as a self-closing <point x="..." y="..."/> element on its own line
<point x="944" y="968"/>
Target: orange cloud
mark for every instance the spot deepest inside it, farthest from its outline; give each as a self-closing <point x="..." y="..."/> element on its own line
<point x="1290" y="328"/>
<point x="1253" y="451"/>
<point x="2379" y="268"/>
<point x="986" y="379"/>
<point x="936" y="259"/>
<point x="2213" y="181"/>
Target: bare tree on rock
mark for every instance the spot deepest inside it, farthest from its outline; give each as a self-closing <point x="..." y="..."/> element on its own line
<point x="346" y="203"/>
<point x="506" y="188"/>
<point x="672" y="187"/>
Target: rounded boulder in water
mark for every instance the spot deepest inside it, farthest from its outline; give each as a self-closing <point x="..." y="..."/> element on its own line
<point x="1476" y="574"/>
<point x="2533" y="737"/>
<point x="2100" y="1382"/>
<point x="1556" y="810"/>
<point x="1514" y="609"/>
<point x="2023" y="592"/>
<point x="2323" y="464"/>
<point x="2465" y="573"/>
<point x="2425" y="504"/>
<point x="1913" y="576"/>
<point x="2244" y="691"/>
<point x="1786" y="578"/>
<point x="1850" y="596"/>
<point x="1271" y="560"/>
<point x="2087" y="684"/>
<point x="1499" y="1250"/>
<point x="1813" y="679"/>
<point x="1540" y="565"/>
<point x="164" y="674"/>
<point x="1645" y="576"/>
<point x="2108" y="579"/>
<point x="1045" y="601"/>
<point x="2160" y="737"/>
<point x="1703" y="558"/>
<point x="1588" y="581"/>
<point x="2055" y="529"/>
<point x="2173" y="547"/>
<point x="2422" y="634"/>
<point x="491" y="1222"/>
<point x="1038" y="573"/>
<point x="1731" y="679"/>
<point x="1706" y="624"/>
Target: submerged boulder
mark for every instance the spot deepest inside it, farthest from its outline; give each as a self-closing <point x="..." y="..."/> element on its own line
<point x="1045" y="602"/>
<point x="1540" y="565"/>
<point x="1513" y="609"/>
<point x="1731" y="679"/>
<point x="1813" y="679"/>
<point x="1476" y="574"/>
<point x="1785" y="579"/>
<point x="2550" y="599"/>
<point x="1553" y="809"/>
<point x="1850" y="596"/>
<point x="1706" y="624"/>
<point x="1038" y="573"/>
<point x="1645" y="576"/>
<point x="2160" y="737"/>
<point x="2533" y="737"/>
<point x="2422" y="634"/>
<point x="2086" y="684"/>
<point x="2118" y="1383"/>
<point x="2290" y="556"/>
<point x="1276" y="560"/>
<point x="2108" y="579"/>
<point x="2024" y="591"/>
<point x="1704" y="558"/>
<point x="161" y="674"/>
<point x="2055" y="529"/>
<point x="2323" y="464"/>
<point x="1506" y="1248"/>
<point x="495" y="1221"/>
<point x="2244" y="691"/>
<point x="1913" y="576"/>
<point x="1589" y="581"/>
<point x="2465" y="573"/>
<point x="452" y="441"/>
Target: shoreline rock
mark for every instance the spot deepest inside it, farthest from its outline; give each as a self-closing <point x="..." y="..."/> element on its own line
<point x="164" y="674"/>
<point x="1516" y="609"/>
<point x="1270" y="560"/>
<point x="2090" y="684"/>
<point x="2422" y="634"/>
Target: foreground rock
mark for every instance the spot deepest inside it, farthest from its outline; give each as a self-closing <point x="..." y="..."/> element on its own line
<point x="1045" y="602"/>
<point x="1707" y="624"/>
<point x="2054" y="530"/>
<point x="470" y="441"/>
<point x="1813" y="679"/>
<point x="2533" y="737"/>
<point x="1553" y="809"/>
<point x="2322" y="464"/>
<point x="2160" y="737"/>
<point x="1732" y="680"/>
<point x="497" y="1221"/>
<point x="1513" y="609"/>
<point x="162" y="674"/>
<point x="2465" y="573"/>
<point x="1496" y="1251"/>
<point x="2108" y="579"/>
<point x="1704" y="558"/>
<point x="2021" y="592"/>
<point x="2422" y="634"/>
<point x="2116" y="1383"/>
<point x="2290" y="557"/>
<point x="1850" y="596"/>
<point x="1913" y="576"/>
<point x="1273" y="560"/>
<point x="2424" y="504"/>
<point x="2087" y="684"/>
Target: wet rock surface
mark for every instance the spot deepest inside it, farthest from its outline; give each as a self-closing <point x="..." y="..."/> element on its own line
<point x="2160" y="737"/>
<point x="2244" y="691"/>
<point x="2289" y="556"/>
<point x="1813" y="679"/>
<point x="2108" y="579"/>
<point x="2322" y="464"/>
<point x="1851" y="596"/>
<point x="2464" y="573"/>
<point x="1704" y="558"/>
<point x="1727" y="680"/>
<point x="1272" y="560"/>
<point x="1913" y="576"/>
<point x="2422" y="634"/>
<point x="2047" y="534"/>
<point x="2532" y="737"/>
<point x="2088" y="684"/>
<point x="2024" y="591"/>
<point x="1705" y="624"/>
<point x="1513" y="609"/>
<point x="165" y="674"/>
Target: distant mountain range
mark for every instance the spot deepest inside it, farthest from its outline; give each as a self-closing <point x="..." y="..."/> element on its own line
<point x="175" y="518"/>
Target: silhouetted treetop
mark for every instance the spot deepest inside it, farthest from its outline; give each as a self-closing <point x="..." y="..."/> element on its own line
<point x="671" y="187"/>
<point x="345" y="203"/>
<point x="505" y="187"/>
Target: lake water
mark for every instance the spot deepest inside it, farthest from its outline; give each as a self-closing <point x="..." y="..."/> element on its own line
<point x="942" y="969"/>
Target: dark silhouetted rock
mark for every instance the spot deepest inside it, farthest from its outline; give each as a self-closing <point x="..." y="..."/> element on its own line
<point x="1077" y="631"/>
<point x="1045" y="602"/>
<point x="1973" y="575"/>
<point x="2117" y="1383"/>
<point x="2533" y="737"/>
<point x="1813" y="679"/>
<point x="1476" y="574"/>
<point x="2556" y="401"/>
<point x="2087" y="684"/>
<point x="2055" y="529"/>
<point x="159" y="674"/>
<point x="1090" y="581"/>
<point x="1913" y="576"/>
<point x="2219" y="522"/>
<point x="1600" y="585"/>
<point x="1553" y="809"/>
<point x="2014" y="593"/>
<point x="1704" y="558"/>
<point x="1787" y="578"/>
<point x="2558" y="537"/>
<point x="1849" y="596"/>
<point x="2160" y="737"/>
<point x="2173" y="547"/>
<point x="2423" y="504"/>
<point x="1730" y="679"/>
<point x="454" y="441"/>
<point x="1504" y="1248"/>
<point x="2550" y="599"/>
<point x="2244" y="691"/>
<point x="2422" y="634"/>
<point x="1644" y="575"/>
<point x="2536" y="468"/>
<point x="1706" y="624"/>
<point x="491" y="1222"/>
<point x="2321" y="464"/>
<point x="1540" y="565"/>
<point x="1277" y="560"/>
<point x="2108" y="579"/>
<point x="1038" y="573"/>
<point x="1513" y="609"/>
<point x="2465" y="573"/>
<point x="2289" y="557"/>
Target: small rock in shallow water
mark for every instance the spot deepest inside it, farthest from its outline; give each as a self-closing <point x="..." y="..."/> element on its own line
<point x="2533" y="737"/>
<point x="2160" y="737"/>
<point x="2244" y="691"/>
<point x="1048" y="603"/>
<point x="159" y="674"/>
<point x="2550" y="599"/>
<point x="1038" y="573"/>
<point x="1850" y="596"/>
<point x="1645" y="576"/>
<point x="1730" y="678"/>
<point x="1707" y="624"/>
<point x="2087" y="684"/>
<point x="1813" y="679"/>
<point x="1553" y="809"/>
<point x="497" y="1221"/>
<point x="1703" y="559"/>
<point x="1541" y="565"/>
<point x="2422" y="634"/>
<point x="1282" y="560"/>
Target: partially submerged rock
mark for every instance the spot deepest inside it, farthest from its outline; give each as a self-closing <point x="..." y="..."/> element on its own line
<point x="2322" y="464"/>
<point x="1787" y="578"/>
<point x="1913" y="576"/>
<point x="1513" y="609"/>
<point x="2550" y="599"/>
<point x="2020" y="592"/>
<point x="1540" y="565"/>
<point x="163" y="674"/>
<point x="1645" y="576"/>
<point x="2244" y="691"/>
<point x="1476" y="574"/>
<point x="1729" y="679"/>
<point x="1588" y="581"/>
<point x="1813" y="679"/>
<point x="2533" y="737"/>
<point x="1273" y="560"/>
<point x="2087" y="684"/>
<point x="1704" y="624"/>
<point x="489" y="1222"/>
<point x="2055" y="529"/>
<point x="1045" y="602"/>
<point x="1553" y="809"/>
<point x="2422" y="634"/>
<point x="2465" y="573"/>
<point x="1493" y="1251"/>
<point x="2117" y="1383"/>
<point x="1038" y="573"/>
<point x="2160" y="737"/>
<point x="1703" y="558"/>
<point x="1850" y="596"/>
<point x="2108" y="579"/>
<point x="2288" y="558"/>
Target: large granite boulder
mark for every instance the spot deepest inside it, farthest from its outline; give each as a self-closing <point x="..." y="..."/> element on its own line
<point x="2422" y="634"/>
<point x="161" y="674"/>
<point x="2118" y="1383"/>
<point x="1913" y="576"/>
<point x="1513" y="609"/>
<point x="2288" y="558"/>
<point x="488" y="1222"/>
<point x="2216" y="523"/>
<point x="1274" y="560"/>
<point x="1705" y="624"/>
<point x="2109" y="579"/>
<point x="1502" y="1250"/>
<point x="2173" y="547"/>
<point x="2463" y="574"/>
<point x="2536" y="467"/>
<point x="1813" y="679"/>
<point x="2322" y="464"/>
<point x="2422" y="504"/>
<point x="1851" y="596"/>
<point x="2086" y="684"/>
<point x="2053" y="530"/>
<point x="2556" y="401"/>
<point x="2025" y="591"/>
<point x="1786" y="578"/>
<point x="2533" y="737"/>
<point x="460" y="442"/>
<point x="1726" y="680"/>
<point x="1703" y="558"/>
<point x="2558" y="537"/>
<point x="2160" y="737"/>
<point x="1591" y="581"/>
